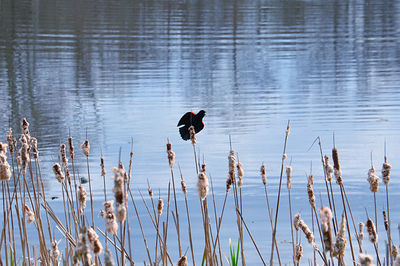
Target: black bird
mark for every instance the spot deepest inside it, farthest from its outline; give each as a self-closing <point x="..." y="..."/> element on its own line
<point x="191" y="119"/>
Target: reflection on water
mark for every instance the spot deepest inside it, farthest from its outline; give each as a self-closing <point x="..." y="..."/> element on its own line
<point x="122" y="69"/>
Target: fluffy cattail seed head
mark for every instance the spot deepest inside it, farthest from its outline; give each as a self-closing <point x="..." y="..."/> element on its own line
<point x="298" y="253"/>
<point x="365" y="259"/>
<point x="29" y="213"/>
<point x="34" y="148"/>
<point x="85" y="147"/>
<point x="310" y="191"/>
<point x="289" y="177"/>
<point x="94" y="241"/>
<point x="240" y="173"/>
<point x="373" y="235"/>
<point x="326" y="227"/>
<point x="24" y="158"/>
<point x="228" y="184"/>
<point x="182" y="261"/>
<point x="58" y="173"/>
<point x="111" y="223"/>
<point x="340" y="245"/>
<point x="386" y="167"/>
<point x="63" y="152"/>
<point x="385" y="220"/>
<point x="5" y="172"/>
<point x="328" y="169"/>
<point x="395" y="251"/>
<point x="202" y="185"/>
<point x="10" y="141"/>
<point x="108" y="206"/>
<point x="71" y="148"/>
<point x="373" y="180"/>
<point x="360" y="231"/>
<point x="232" y="165"/>
<point x="108" y="258"/>
<point x="296" y="222"/>
<point x="160" y="206"/>
<point x="82" y="197"/>
<point x="121" y="213"/>
<point x="263" y="174"/>
<point x="150" y="190"/>
<point x="307" y="232"/>
<point x="192" y="133"/>
<point x="55" y="253"/>
<point x="171" y="155"/>
<point x="183" y="185"/>
<point x="336" y="166"/>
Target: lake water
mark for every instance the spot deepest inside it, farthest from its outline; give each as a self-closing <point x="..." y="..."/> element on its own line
<point x="122" y="70"/>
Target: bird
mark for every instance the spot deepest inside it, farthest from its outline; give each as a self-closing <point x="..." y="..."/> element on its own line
<point x="191" y="119"/>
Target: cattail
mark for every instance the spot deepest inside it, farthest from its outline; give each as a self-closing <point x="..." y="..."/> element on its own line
<point x="183" y="185"/>
<point x="240" y="173"/>
<point x="34" y="148"/>
<point x="94" y="241"/>
<point x="386" y="167"/>
<point x="232" y="165"/>
<point x="365" y="259"/>
<point x="122" y="171"/>
<point x="10" y="141"/>
<point x="326" y="216"/>
<point x="63" y="152"/>
<point x="118" y="186"/>
<point x="202" y="185"/>
<point x="103" y="168"/>
<point x="82" y="197"/>
<point x="263" y="174"/>
<point x="397" y="261"/>
<point x="298" y="253"/>
<point x="289" y="177"/>
<point x="5" y="172"/>
<point x="385" y="220"/>
<point x="182" y="261"/>
<point x="360" y="232"/>
<point x="284" y="156"/>
<point x="29" y="213"/>
<point x="108" y="258"/>
<point x="82" y="250"/>
<point x="192" y="133"/>
<point x="228" y="184"/>
<point x="150" y="190"/>
<point x="160" y="206"/>
<point x="340" y="245"/>
<point x="373" y="180"/>
<point x="203" y="167"/>
<point x="373" y="235"/>
<point x="111" y="224"/>
<point x="121" y="213"/>
<point x="59" y="174"/>
<point x="71" y="148"/>
<point x="310" y="191"/>
<point x="171" y="155"/>
<point x="85" y="147"/>
<point x="296" y="222"/>
<point x="25" y="127"/>
<point x="395" y="251"/>
<point x="55" y="253"/>
<point x="307" y="232"/>
<point x="287" y="131"/>
<point x="24" y="156"/>
<point x="336" y="166"/>
<point x="328" y="169"/>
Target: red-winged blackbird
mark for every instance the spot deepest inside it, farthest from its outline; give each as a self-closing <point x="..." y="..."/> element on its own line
<point x="191" y="119"/>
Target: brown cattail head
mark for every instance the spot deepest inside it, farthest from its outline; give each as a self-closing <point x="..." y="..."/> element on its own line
<point x="183" y="185"/>
<point x="34" y="148"/>
<point x="29" y="213"/>
<point x="340" y="245"/>
<point x="386" y="167"/>
<point x="59" y="174"/>
<point x="25" y="126"/>
<point x="328" y="169"/>
<point x="82" y="197"/>
<point x="373" y="235"/>
<point x="385" y="220"/>
<point x="203" y="167"/>
<point x="103" y="168"/>
<point x="373" y="180"/>
<point x="232" y="165"/>
<point x="119" y="192"/>
<point x="182" y="261"/>
<point x="10" y="141"/>
<point x="365" y="259"/>
<point x="85" y="147"/>
<point x="310" y="191"/>
<point x="108" y="206"/>
<point x="289" y="177"/>
<point x="55" y="253"/>
<point x="228" y="184"/>
<point x="240" y="173"/>
<point x="171" y="155"/>
<point x="395" y="251"/>
<point x="263" y="174"/>
<point x="326" y="227"/>
<point x="71" y="148"/>
<point x="121" y="213"/>
<point x="296" y="222"/>
<point x="3" y="148"/>
<point x="150" y="190"/>
<point x="192" y="133"/>
<point x="202" y="185"/>
<point x="160" y="206"/>
<point x="5" y="172"/>
<point x="94" y="241"/>
<point x="24" y="157"/>
<point x="63" y="153"/>
<point x="336" y="166"/>
<point x="298" y="253"/>
<point x="307" y="232"/>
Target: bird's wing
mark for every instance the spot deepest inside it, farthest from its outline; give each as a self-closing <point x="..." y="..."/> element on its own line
<point x="184" y="131"/>
<point x="186" y="118"/>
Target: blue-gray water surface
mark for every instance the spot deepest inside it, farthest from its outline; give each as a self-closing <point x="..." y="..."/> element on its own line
<point x="119" y="71"/>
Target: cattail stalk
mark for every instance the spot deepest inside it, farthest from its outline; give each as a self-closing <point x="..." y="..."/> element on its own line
<point x="386" y="168"/>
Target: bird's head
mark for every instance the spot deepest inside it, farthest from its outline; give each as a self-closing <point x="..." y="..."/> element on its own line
<point x="201" y="113"/>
